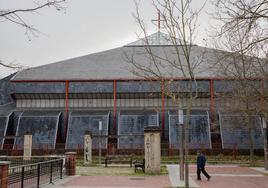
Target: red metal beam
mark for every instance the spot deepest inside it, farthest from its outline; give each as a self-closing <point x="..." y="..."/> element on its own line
<point x="135" y="79"/>
<point x="115" y="105"/>
<point x="212" y="101"/>
<point x="163" y="106"/>
<point x="66" y="106"/>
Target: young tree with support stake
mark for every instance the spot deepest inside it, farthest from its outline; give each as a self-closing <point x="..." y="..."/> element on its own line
<point x="179" y="21"/>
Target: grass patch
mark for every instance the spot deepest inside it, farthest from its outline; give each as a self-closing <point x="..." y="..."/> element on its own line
<point x="115" y="171"/>
<point x="242" y="160"/>
<point x="118" y="171"/>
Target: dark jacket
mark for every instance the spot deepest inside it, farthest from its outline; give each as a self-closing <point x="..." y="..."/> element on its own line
<point x="201" y="161"/>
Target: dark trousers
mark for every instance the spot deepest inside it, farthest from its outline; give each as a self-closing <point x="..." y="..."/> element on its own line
<point x="202" y="169"/>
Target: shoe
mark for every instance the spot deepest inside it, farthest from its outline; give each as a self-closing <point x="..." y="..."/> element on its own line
<point x="209" y="178"/>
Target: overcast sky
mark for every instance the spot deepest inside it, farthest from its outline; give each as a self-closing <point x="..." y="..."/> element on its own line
<point x="85" y="27"/>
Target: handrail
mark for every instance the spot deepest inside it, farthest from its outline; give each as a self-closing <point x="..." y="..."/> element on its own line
<point x="36" y="173"/>
<point x="33" y="164"/>
<point x="36" y="156"/>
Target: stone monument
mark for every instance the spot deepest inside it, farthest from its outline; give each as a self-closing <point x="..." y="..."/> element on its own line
<point x="27" y="146"/>
<point x="88" y="148"/>
<point x="152" y="151"/>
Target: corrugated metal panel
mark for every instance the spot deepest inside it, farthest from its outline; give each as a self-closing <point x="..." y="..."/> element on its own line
<point x="40" y="103"/>
<point x="138" y="87"/>
<point x="91" y="87"/>
<point x="183" y="86"/>
<point x="39" y="87"/>
<point x="88" y="103"/>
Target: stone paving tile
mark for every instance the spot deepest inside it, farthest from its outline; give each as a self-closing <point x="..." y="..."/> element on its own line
<point x="260" y="169"/>
<point x="222" y="177"/>
<point x="121" y="181"/>
<point x="226" y="170"/>
<point x="174" y="174"/>
<point x="235" y="182"/>
<point x="232" y="177"/>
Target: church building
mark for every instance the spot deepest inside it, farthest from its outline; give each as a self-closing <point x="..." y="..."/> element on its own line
<point x="101" y="92"/>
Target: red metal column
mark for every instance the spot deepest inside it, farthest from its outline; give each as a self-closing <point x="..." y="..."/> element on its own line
<point x="212" y="101"/>
<point x="163" y="105"/>
<point x="115" y="105"/>
<point x="66" y="106"/>
<point x="261" y="108"/>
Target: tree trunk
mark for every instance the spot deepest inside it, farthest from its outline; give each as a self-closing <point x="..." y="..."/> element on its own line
<point x="251" y="145"/>
<point x="186" y="144"/>
<point x="186" y="135"/>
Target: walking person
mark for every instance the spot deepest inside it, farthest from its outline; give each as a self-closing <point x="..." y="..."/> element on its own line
<point x="201" y="163"/>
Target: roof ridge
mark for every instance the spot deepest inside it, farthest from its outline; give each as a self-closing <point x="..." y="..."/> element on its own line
<point x="156" y="39"/>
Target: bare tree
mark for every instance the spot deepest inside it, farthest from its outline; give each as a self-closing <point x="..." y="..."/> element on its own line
<point x="242" y="35"/>
<point x="249" y="15"/>
<point x="16" y="16"/>
<point x="180" y="23"/>
<point x="248" y="19"/>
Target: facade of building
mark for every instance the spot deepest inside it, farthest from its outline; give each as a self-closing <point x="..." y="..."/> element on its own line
<point x="57" y="103"/>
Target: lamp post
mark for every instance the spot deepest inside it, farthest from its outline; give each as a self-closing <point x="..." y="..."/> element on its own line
<point x="264" y="126"/>
<point x="100" y="129"/>
<point x="181" y="136"/>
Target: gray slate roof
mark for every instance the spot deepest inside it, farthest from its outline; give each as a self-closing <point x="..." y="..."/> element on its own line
<point x="115" y="63"/>
<point x="156" y="39"/>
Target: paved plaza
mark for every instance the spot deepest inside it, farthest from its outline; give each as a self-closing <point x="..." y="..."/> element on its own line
<point x="223" y="176"/>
